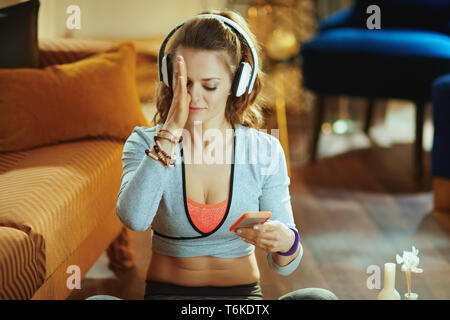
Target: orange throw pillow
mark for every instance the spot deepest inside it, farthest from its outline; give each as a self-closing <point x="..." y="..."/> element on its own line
<point x="93" y="97"/>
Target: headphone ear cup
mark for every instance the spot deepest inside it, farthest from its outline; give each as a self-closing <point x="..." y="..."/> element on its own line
<point x="169" y="70"/>
<point x="236" y="81"/>
<point x="166" y="70"/>
<point x="241" y="79"/>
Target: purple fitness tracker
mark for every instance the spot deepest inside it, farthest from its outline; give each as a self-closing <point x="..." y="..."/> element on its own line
<point x="294" y="246"/>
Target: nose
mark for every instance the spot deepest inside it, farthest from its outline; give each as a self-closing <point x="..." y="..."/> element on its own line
<point x="194" y="92"/>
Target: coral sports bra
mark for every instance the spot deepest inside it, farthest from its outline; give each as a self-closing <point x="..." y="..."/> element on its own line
<point x="206" y="217"/>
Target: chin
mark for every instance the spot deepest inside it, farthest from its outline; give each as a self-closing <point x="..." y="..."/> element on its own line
<point x="198" y="116"/>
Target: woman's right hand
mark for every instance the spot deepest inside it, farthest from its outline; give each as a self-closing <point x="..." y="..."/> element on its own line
<point x="179" y="110"/>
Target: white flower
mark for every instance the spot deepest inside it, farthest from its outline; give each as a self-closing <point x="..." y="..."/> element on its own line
<point x="410" y="261"/>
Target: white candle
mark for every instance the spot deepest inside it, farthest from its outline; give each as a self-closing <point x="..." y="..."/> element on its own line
<point x="389" y="275"/>
<point x="389" y="292"/>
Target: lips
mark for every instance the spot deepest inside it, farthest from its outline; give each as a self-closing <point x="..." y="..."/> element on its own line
<point x="195" y="109"/>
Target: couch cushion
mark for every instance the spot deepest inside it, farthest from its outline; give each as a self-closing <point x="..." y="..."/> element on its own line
<point x="18" y="35"/>
<point x="93" y="97"/>
<point x="20" y="268"/>
<point x="58" y="194"/>
<point x="61" y="50"/>
<point x="67" y="50"/>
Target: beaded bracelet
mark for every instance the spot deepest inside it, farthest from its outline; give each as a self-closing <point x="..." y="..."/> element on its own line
<point x="166" y="138"/>
<point x="166" y="163"/>
<point x="294" y="246"/>
<point x="160" y="149"/>
<point x="163" y="156"/>
<point x="156" y="158"/>
<point x="173" y="138"/>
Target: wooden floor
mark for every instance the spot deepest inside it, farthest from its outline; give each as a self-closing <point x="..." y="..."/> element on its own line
<point x="354" y="210"/>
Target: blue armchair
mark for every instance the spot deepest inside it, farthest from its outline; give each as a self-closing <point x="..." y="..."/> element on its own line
<point x="400" y="60"/>
<point x="440" y="164"/>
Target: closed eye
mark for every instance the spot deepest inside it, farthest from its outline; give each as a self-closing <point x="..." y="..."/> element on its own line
<point x="189" y="83"/>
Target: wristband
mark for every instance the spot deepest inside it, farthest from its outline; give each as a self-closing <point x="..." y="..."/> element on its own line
<point x="294" y="246"/>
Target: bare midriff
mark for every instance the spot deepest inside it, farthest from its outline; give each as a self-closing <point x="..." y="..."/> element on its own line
<point x="203" y="271"/>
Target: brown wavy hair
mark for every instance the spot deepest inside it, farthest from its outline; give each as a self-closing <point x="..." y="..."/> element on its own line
<point x="213" y="34"/>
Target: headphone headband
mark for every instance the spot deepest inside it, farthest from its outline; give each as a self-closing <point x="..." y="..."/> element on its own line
<point x="230" y="23"/>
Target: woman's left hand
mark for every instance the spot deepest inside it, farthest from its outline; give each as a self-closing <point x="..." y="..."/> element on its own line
<point x="272" y="236"/>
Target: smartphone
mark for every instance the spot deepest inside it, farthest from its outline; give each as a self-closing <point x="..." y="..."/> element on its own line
<point x="249" y="219"/>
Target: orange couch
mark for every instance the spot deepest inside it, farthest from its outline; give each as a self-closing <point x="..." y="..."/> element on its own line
<point x="57" y="209"/>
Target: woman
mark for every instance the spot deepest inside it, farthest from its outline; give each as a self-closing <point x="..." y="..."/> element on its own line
<point x="194" y="174"/>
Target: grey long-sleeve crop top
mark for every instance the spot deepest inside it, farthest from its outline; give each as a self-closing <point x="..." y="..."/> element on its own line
<point x="152" y="195"/>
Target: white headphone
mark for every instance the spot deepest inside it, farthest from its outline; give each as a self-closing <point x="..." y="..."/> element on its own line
<point x="245" y="76"/>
